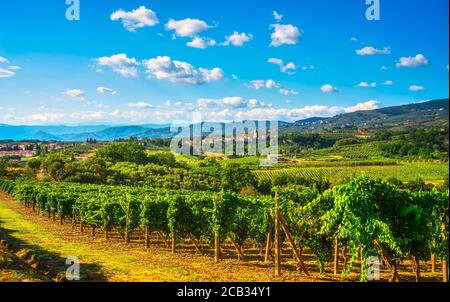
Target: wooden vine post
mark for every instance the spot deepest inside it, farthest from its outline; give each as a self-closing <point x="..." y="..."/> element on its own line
<point x="268" y="244"/>
<point x="127" y="223"/>
<point x="81" y="225"/>
<point x="106" y="233"/>
<point x="216" y="241"/>
<point x="174" y="241"/>
<point x="277" y="237"/>
<point x="300" y="265"/>
<point x="444" y="261"/>
<point x="147" y="237"/>
<point x="336" y="257"/>
<point x="433" y="263"/>
<point x="444" y="271"/>
<point x="216" y="248"/>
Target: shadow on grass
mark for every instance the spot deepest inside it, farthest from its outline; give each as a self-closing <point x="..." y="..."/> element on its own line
<point x="45" y="262"/>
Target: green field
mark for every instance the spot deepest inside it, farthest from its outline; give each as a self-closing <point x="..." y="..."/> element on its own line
<point x="404" y="171"/>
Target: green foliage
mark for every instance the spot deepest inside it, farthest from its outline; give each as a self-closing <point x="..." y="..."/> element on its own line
<point x="130" y="151"/>
<point x="34" y="164"/>
<point x="234" y="177"/>
<point x="377" y="216"/>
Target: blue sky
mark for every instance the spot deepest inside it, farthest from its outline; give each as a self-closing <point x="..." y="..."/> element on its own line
<point x="155" y="61"/>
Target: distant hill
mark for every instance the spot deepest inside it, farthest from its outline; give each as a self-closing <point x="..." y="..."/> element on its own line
<point x="395" y="118"/>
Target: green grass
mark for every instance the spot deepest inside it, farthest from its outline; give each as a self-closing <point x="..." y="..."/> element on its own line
<point x="111" y="265"/>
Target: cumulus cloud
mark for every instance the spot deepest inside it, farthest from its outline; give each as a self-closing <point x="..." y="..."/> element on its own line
<point x="142" y="105"/>
<point x="164" y="68"/>
<point x="327" y="88"/>
<point x="366" y="84"/>
<point x="278" y="17"/>
<point x="233" y="102"/>
<point x="412" y="62"/>
<point x="288" y="68"/>
<point x="284" y="34"/>
<point x="260" y="84"/>
<point x="229" y="108"/>
<point x="416" y="88"/>
<point x="121" y="64"/>
<point x="287" y="92"/>
<point x="369" y="105"/>
<point x="237" y="39"/>
<point x="308" y="67"/>
<point x="201" y="43"/>
<point x="6" y="73"/>
<point x="187" y="27"/>
<point x="106" y="90"/>
<point x="74" y="93"/>
<point x="138" y="18"/>
<point x="370" y="51"/>
<point x="388" y="82"/>
<point x="3" y="60"/>
<point x="14" y="67"/>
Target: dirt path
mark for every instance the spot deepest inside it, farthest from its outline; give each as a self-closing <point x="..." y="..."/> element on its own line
<point x="113" y="260"/>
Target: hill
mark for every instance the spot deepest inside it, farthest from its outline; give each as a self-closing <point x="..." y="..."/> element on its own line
<point x="411" y="116"/>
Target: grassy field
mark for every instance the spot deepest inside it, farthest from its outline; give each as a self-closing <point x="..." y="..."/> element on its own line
<point x="404" y="171"/>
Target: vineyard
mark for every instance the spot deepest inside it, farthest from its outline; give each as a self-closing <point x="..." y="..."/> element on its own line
<point x="358" y="220"/>
<point x="404" y="171"/>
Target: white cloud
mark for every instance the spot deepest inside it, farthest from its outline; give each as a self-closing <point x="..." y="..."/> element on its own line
<point x="229" y="108"/>
<point x="278" y="17"/>
<point x="74" y="93"/>
<point x="187" y="27"/>
<point x="259" y="84"/>
<point x="164" y="68"/>
<point x="104" y="90"/>
<point x="411" y="62"/>
<point x="3" y="60"/>
<point x="6" y="73"/>
<point x="327" y="88"/>
<point x="121" y="64"/>
<point x="233" y="102"/>
<point x="388" y="82"/>
<point x="237" y="39"/>
<point x="284" y="34"/>
<point x="416" y="88"/>
<point x="308" y="67"/>
<point x="234" y="77"/>
<point x="201" y="43"/>
<point x="369" y="105"/>
<point x="14" y="67"/>
<point x="135" y="19"/>
<point x="366" y="85"/>
<point x="287" y="92"/>
<point x="288" y="68"/>
<point x="384" y="68"/>
<point x="370" y="51"/>
<point x="142" y="105"/>
<point x="353" y="39"/>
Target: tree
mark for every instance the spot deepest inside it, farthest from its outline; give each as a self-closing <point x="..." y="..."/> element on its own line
<point x="130" y="151"/>
<point x="235" y="177"/>
<point x="34" y="164"/>
<point x="2" y="167"/>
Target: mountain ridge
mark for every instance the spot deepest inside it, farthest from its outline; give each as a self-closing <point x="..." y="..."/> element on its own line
<point x="429" y="113"/>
